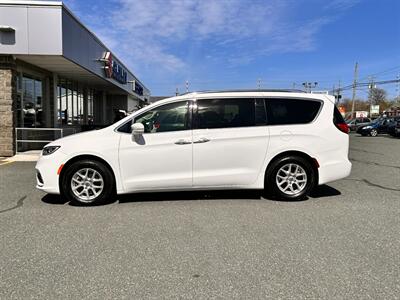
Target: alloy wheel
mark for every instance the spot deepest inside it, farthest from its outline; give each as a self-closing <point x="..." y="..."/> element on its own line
<point x="291" y="179"/>
<point x="87" y="184"/>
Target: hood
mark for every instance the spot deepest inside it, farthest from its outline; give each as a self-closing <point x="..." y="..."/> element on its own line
<point x="78" y="137"/>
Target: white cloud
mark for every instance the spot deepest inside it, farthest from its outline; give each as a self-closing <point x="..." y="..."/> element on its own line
<point x="341" y="4"/>
<point x="163" y="33"/>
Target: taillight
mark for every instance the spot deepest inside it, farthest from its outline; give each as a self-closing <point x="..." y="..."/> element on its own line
<point x="342" y="127"/>
<point x="339" y="122"/>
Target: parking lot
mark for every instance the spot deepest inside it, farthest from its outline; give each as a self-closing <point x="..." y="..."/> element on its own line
<point x="343" y="242"/>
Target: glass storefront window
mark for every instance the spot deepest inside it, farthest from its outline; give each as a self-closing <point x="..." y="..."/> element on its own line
<point x="29" y="102"/>
<point x="71" y="103"/>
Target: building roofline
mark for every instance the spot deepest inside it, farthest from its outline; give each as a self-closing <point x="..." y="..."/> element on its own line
<point x="63" y="6"/>
<point x="31" y="2"/>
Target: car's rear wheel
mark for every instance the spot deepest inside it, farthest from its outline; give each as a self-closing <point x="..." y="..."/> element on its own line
<point x="290" y="178"/>
<point x="374" y="132"/>
<point x="88" y="182"/>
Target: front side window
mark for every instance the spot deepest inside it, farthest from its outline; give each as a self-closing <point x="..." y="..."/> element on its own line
<point x="168" y="117"/>
<point x="225" y="113"/>
<point x="291" y="111"/>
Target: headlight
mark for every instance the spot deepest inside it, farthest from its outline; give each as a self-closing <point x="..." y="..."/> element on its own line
<point x="367" y="127"/>
<point x="49" y="150"/>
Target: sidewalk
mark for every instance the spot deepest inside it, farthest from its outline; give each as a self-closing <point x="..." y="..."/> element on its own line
<point x="32" y="155"/>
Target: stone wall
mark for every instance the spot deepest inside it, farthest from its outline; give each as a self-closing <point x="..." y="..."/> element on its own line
<point x="7" y="104"/>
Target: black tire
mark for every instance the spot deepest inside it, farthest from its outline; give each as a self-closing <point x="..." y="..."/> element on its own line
<point x="271" y="184"/>
<point x="105" y="196"/>
<point x="374" y="132"/>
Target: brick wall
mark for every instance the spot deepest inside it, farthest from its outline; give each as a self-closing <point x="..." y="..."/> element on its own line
<point x="7" y="97"/>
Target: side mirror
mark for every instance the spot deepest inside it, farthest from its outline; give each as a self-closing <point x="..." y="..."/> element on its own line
<point x="137" y="129"/>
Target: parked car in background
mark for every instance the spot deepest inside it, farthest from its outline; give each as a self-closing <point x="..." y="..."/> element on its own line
<point x="374" y="128"/>
<point x="392" y="126"/>
<point x="397" y="129"/>
<point x="355" y="123"/>
<point x="281" y="141"/>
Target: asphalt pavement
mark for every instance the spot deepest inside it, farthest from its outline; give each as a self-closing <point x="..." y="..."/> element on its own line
<point x="341" y="243"/>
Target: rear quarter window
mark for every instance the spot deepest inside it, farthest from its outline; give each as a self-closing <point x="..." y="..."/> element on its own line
<point x="283" y="111"/>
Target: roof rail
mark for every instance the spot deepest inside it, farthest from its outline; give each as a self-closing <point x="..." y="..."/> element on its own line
<point x="246" y="90"/>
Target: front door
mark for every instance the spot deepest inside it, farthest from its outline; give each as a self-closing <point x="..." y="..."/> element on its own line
<point x="161" y="158"/>
<point x="230" y="141"/>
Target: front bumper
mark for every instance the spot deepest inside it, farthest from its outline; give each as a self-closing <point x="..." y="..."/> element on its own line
<point x="364" y="131"/>
<point x="46" y="172"/>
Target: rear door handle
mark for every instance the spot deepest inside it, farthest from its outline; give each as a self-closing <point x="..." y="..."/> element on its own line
<point x="201" y="140"/>
<point x="182" y="142"/>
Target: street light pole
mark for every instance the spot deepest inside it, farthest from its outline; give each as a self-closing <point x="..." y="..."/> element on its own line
<point x="309" y="85"/>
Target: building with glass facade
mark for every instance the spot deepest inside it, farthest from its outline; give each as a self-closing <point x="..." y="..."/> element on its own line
<point x="55" y="73"/>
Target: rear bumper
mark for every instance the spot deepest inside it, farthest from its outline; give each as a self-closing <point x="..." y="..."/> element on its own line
<point x="334" y="171"/>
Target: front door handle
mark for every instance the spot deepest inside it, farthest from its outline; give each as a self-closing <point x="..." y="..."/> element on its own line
<point x="182" y="142"/>
<point x="201" y="140"/>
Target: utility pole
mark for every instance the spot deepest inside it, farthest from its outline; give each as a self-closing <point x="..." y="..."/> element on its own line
<point x="333" y="92"/>
<point x="187" y="86"/>
<point x="176" y="91"/>
<point x="371" y="86"/>
<point x="398" y="88"/>
<point x="259" y="83"/>
<point x="353" y="98"/>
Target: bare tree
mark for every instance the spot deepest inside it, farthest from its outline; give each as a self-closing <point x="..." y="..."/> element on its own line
<point x="377" y="96"/>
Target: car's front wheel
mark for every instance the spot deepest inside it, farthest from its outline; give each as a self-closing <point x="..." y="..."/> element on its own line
<point x="290" y="178"/>
<point x="87" y="182"/>
<point x="374" y="132"/>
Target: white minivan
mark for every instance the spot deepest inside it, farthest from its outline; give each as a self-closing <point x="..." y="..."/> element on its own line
<point x="285" y="142"/>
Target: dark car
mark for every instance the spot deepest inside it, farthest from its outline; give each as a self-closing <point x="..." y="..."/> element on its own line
<point x="394" y="127"/>
<point x="397" y="129"/>
<point x="375" y="127"/>
<point x="354" y="124"/>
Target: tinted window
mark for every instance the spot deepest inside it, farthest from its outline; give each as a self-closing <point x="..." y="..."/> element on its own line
<point x="217" y="113"/>
<point x="291" y="111"/>
<point x="169" y="117"/>
<point x="126" y="127"/>
<point x="337" y="116"/>
<point x="261" y="112"/>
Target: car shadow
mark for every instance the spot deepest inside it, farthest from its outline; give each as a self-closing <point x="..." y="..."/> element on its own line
<point x="54" y="199"/>
<point x="322" y="191"/>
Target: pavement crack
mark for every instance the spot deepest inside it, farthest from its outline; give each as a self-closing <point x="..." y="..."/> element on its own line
<point x="373" y="163"/>
<point x="20" y="202"/>
<point x="369" y="183"/>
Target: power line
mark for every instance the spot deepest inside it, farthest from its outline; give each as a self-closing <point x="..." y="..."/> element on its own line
<point x="381" y="72"/>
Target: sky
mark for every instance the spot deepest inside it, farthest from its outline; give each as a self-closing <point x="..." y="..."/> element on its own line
<point x="238" y="44"/>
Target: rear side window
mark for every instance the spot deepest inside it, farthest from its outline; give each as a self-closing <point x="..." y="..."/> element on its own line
<point x="291" y="111"/>
<point x="337" y="116"/>
<point x="225" y="113"/>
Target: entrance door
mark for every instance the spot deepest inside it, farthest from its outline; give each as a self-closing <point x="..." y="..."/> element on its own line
<point x="161" y="158"/>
